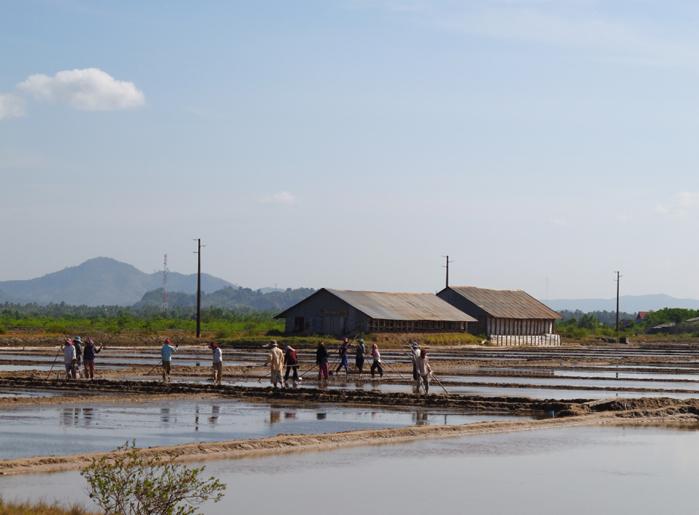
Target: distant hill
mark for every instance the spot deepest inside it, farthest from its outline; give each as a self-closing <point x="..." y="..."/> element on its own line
<point x="627" y="303"/>
<point x="101" y="281"/>
<point x="236" y="298"/>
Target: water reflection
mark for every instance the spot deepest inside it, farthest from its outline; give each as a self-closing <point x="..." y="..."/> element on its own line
<point x="165" y="415"/>
<point x="420" y="418"/>
<point x="76" y="416"/>
<point x="88" y="415"/>
<point x="321" y="416"/>
<point x="274" y="416"/>
<point x="215" y="411"/>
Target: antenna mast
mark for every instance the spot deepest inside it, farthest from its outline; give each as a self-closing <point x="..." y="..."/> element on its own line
<point x="198" y="253"/>
<point x="618" y="280"/>
<point x="165" y="271"/>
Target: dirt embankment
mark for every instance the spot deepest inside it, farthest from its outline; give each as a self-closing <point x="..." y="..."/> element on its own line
<point x="551" y="413"/>
<point x="659" y="412"/>
<point x="505" y="405"/>
<point x="283" y="444"/>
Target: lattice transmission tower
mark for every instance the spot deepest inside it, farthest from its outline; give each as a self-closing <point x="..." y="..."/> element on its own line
<point x="165" y="271"/>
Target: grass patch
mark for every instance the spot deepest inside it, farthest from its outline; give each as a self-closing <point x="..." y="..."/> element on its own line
<point x="41" y="508"/>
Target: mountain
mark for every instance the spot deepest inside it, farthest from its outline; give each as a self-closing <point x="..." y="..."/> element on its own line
<point x="101" y="281"/>
<point x="627" y="303"/>
<point x="236" y="298"/>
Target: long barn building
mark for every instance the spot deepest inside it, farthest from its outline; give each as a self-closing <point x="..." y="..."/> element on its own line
<point x="506" y="317"/>
<point x="347" y="312"/>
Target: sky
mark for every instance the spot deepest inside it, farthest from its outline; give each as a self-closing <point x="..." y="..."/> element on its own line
<point x="352" y="143"/>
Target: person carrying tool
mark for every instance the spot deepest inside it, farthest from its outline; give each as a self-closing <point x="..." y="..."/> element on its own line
<point x="166" y="352"/>
<point x="343" y="351"/>
<point x="424" y="370"/>
<point x="217" y="362"/>
<point x="322" y="361"/>
<point x="69" y="358"/>
<point x="89" y="353"/>
<point x="359" y="356"/>
<point x="376" y="364"/>
<point x="275" y="360"/>
<point x="292" y="365"/>
<point x="78" y="343"/>
<point x="414" y="355"/>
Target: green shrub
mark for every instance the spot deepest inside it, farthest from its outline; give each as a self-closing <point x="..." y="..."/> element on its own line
<point x="132" y="482"/>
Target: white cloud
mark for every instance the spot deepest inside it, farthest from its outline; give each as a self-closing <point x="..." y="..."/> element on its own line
<point x="283" y="198"/>
<point x="680" y="206"/>
<point x="11" y="106"/>
<point x="89" y="89"/>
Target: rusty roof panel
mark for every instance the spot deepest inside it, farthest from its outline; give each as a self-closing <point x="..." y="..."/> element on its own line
<point x="402" y="306"/>
<point x="506" y="303"/>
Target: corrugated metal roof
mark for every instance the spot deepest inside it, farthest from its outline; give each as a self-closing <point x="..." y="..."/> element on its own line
<point x="506" y="303"/>
<point x="402" y="306"/>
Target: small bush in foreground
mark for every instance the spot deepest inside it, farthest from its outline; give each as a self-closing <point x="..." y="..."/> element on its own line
<point x="132" y="482"/>
<point x="40" y="508"/>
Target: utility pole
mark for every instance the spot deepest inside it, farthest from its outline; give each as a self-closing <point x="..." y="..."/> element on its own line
<point x="447" y="261"/>
<point x="198" y="253"/>
<point x="618" y="280"/>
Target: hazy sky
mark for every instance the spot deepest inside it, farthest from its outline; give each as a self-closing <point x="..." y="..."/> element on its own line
<point x="352" y="143"/>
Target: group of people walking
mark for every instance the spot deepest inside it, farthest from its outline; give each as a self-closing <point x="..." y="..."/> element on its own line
<point x="322" y="358"/>
<point x="77" y="355"/>
<point x="167" y="350"/>
<point x="283" y="363"/>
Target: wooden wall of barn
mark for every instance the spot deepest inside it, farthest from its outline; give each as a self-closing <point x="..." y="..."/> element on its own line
<point x="324" y="313"/>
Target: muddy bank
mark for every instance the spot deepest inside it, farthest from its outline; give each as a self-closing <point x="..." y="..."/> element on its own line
<point x="506" y="405"/>
<point x="237" y="449"/>
<point x="655" y="413"/>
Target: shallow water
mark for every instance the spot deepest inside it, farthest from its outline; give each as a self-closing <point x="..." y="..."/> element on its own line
<point x="486" y="390"/>
<point x="71" y="429"/>
<point x="22" y="368"/>
<point x="569" y="381"/>
<point x="573" y="470"/>
<point x="10" y="393"/>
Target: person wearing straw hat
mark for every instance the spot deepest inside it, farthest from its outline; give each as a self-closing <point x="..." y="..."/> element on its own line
<point x="424" y="370"/>
<point x="217" y="362"/>
<point x="89" y="353"/>
<point x="359" y="356"/>
<point x="69" y="358"/>
<point x="322" y="362"/>
<point x="376" y="364"/>
<point x="78" y="343"/>
<point x="291" y="360"/>
<point x="166" y="352"/>
<point x="414" y="355"/>
<point x="275" y="360"/>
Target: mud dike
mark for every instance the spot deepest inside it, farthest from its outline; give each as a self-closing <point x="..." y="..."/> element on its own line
<point x="535" y="415"/>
